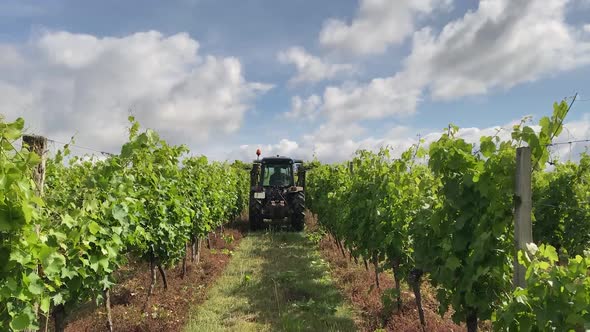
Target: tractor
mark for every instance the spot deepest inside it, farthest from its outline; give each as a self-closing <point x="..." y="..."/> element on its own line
<point x="277" y="192"/>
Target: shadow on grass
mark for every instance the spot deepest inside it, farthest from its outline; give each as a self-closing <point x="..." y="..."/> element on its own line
<point x="292" y="290"/>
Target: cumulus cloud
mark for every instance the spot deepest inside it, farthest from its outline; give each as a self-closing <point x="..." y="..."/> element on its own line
<point x="327" y="142"/>
<point x="285" y="147"/>
<point x="381" y="97"/>
<point x="501" y="44"/>
<point x="63" y="83"/>
<point x="334" y="133"/>
<point x="333" y="144"/>
<point x="304" y="108"/>
<point x="377" y="25"/>
<point x="497" y="46"/>
<point x="311" y="68"/>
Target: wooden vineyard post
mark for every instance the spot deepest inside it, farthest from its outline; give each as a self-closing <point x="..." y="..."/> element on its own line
<point x="38" y="145"/>
<point x="523" y="230"/>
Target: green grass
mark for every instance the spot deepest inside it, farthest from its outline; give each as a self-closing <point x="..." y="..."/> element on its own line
<point x="274" y="282"/>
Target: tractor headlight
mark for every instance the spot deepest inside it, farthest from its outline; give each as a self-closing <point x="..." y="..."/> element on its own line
<point x="259" y="195"/>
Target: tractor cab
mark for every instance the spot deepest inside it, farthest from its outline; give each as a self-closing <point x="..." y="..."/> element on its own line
<point x="277" y="172"/>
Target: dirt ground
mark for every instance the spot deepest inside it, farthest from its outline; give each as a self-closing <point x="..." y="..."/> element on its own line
<point x="168" y="310"/>
<point x="357" y="284"/>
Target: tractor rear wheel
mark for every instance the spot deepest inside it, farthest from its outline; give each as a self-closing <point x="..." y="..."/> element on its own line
<point x="298" y="212"/>
<point x="256" y="222"/>
<point x="255" y="216"/>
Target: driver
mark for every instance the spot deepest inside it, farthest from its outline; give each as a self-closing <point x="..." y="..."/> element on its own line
<point x="278" y="178"/>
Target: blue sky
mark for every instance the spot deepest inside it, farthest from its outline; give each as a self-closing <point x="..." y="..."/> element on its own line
<point x="222" y="76"/>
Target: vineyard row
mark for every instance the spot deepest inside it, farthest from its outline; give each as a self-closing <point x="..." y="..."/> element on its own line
<point x="67" y="224"/>
<point x="446" y="213"/>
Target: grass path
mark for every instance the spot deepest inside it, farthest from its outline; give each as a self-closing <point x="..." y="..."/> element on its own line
<point x="274" y="282"/>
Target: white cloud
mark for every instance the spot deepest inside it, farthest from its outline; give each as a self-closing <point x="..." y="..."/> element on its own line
<point x="382" y="97"/>
<point x="377" y="25"/>
<point x="334" y="132"/>
<point x="574" y="130"/>
<point x="63" y="83"/>
<point x="328" y="142"/>
<point x="336" y="144"/>
<point x="9" y="57"/>
<point x="285" y="147"/>
<point x="304" y="108"/>
<point x="587" y="28"/>
<point x="501" y="44"/>
<point x="311" y="68"/>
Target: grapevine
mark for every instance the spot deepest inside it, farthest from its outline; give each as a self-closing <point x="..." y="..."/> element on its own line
<point x="63" y="250"/>
<point x="451" y="218"/>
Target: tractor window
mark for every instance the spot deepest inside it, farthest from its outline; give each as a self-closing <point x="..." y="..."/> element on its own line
<point x="277" y="175"/>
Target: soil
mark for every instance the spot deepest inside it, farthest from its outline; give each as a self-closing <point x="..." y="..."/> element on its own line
<point x="168" y="310"/>
<point x="358" y="285"/>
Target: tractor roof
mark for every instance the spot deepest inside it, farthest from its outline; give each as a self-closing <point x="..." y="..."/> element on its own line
<point x="279" y="160"/>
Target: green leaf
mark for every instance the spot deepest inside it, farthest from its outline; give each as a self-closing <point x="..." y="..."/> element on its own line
<point x="487" y="147"/>
<point x="33" y="159"/>
<point x="12" y="132"/>
<point x="27" y="212"/>
<point x="94" y="227"/>
<point x="35" y="284"/>
<point x="5" y="219"/>
<point x="551" y="254"/>
<point x="56" y="264"/>
<point x="119" y="213"/>
<point x="68" y="273"/>
<point x="453" y="263"/>
<point x="45" y="304"/>
<point x="68" y="221"/>
<point x="20" y="322"/>
<point x="11" y="284"/>
<point x="94" y="263"/>
<point x="58" y="299"/>
<point x="20" y="258"/>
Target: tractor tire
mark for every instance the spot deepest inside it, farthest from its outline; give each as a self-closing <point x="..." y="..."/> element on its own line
<point x="256" y="223"/>
<point x="255" y="217"/>
<point x="298" y="212"/>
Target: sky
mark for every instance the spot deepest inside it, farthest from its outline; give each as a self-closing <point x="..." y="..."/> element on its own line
<point x="301" y="78"/>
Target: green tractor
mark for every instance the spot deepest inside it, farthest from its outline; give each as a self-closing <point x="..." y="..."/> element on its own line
<point x="277" y="192"/>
